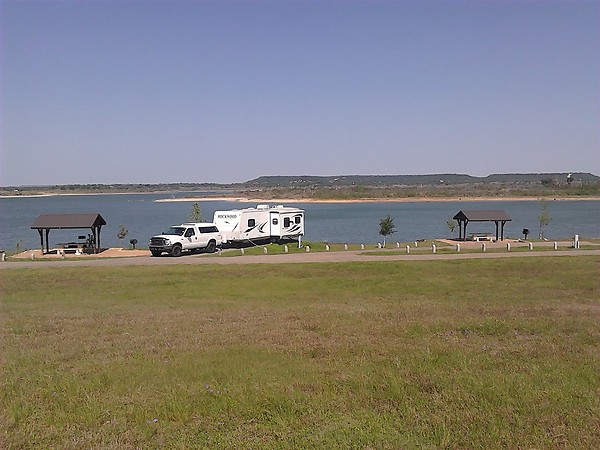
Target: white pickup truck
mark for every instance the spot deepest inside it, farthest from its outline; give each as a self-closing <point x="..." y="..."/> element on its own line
<point x="187" y="237"/>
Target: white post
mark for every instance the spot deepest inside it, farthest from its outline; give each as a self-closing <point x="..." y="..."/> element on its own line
<point x="458" y="248"/>
<point x="242" y="251"/>
<point x="378" y="245"/>
<point x="555" y="245"/>
<point x="285" y="248"/>
<point x="483" y="246"/>
<point x="265" y="251"/>
<point x="345" y="246"/>
<point x="362" y="246"/>
<point x="397" y="244"/>
<point x="433" y="248"/>
<point x="307" y="248"/>
<point x="32" y="256"/>
<point x="508" y="246"/>
<point x="416" y="244"/>
<point x="407" y="248"/>
<point x="327" y="247"/>
<point x="531" y="246"/>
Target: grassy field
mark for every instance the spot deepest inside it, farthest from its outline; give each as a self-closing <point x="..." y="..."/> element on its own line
<point x="440" y="354"/>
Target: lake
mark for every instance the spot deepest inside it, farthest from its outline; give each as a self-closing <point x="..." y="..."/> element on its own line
<point x="331" y="222"/>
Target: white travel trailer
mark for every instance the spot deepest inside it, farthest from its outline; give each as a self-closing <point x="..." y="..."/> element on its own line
<point x="263" y="223"/>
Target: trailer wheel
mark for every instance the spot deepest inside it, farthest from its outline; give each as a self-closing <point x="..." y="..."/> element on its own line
<point x="211" y="247"/>
<point x="176" y="250"/>
<point x="155" y="252"/>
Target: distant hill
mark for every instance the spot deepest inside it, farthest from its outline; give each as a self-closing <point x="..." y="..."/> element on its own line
<point x="417" y="180"/>
<point x="431" y="184"/>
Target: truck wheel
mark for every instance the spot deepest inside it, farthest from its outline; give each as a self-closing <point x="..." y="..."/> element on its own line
<point x="155" y="252"/>
<point x="176" y="250"/>
<point x="211" y="247"/>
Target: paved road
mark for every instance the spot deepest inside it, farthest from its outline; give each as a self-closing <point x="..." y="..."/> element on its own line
<point x="314" y="257"/>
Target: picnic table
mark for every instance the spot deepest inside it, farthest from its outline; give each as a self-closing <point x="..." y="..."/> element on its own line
<point x="478" y="237"/>
<point x="77" y="247"/>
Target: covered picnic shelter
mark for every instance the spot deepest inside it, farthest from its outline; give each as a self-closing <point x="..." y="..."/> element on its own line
<point x="497" y="216"/>
<point x="46" y="222"/>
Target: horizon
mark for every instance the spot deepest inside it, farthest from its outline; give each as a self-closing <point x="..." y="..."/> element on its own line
<point x="143" y="92"/>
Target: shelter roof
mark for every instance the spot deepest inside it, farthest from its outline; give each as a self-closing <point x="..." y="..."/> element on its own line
<point x="483" y="215"/>
<point x="66" y="221"/>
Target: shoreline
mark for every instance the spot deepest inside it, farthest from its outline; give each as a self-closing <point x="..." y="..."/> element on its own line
<point x="312" y="200"/>
<point x="373" y="200"/>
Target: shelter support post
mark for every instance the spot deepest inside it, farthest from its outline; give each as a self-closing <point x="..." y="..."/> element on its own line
<point x="42" y="232"/>
<point x="97" y="238"/>
<point x="464" y="237"/>
<point x="41" y="239"/>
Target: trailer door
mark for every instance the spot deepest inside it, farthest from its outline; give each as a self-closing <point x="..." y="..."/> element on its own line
<point x="275" y="220"/>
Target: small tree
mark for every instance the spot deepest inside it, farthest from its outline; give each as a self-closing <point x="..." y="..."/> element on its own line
<point x="196" y="214"/>
<point x="544" y="218"/>
<point x="386" y="227"/>
<point x="122" y="233"/>
<point x="452" y="224"/>
<point x="525" y="233"/>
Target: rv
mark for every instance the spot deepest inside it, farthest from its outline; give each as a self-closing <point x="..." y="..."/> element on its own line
<point x="260" y="224"/>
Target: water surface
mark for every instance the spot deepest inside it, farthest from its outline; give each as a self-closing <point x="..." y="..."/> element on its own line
<point x="331" y="222"/>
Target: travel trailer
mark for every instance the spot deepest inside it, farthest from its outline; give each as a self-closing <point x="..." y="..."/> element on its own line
<point x="260" y="224"/>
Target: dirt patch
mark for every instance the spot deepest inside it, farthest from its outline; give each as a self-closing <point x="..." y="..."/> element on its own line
<point x="103" y="253"/>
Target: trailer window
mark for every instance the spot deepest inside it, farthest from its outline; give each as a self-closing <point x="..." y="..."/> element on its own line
<point x="286" y="222"/>
<point x="297" y="219"/>
<point x="275" y="221"/>
<point x="251" y="222"/>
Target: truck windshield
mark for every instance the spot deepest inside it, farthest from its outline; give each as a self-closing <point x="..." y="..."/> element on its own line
<point x="175" y="231"/>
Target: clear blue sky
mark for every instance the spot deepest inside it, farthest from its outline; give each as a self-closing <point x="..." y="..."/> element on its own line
<point x="218" y="91"/>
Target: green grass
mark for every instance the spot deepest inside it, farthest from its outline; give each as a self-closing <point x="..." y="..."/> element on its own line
<point x="278" y="249"/>
<point x="440" y="354"/>
<point x="392" y="248"/>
